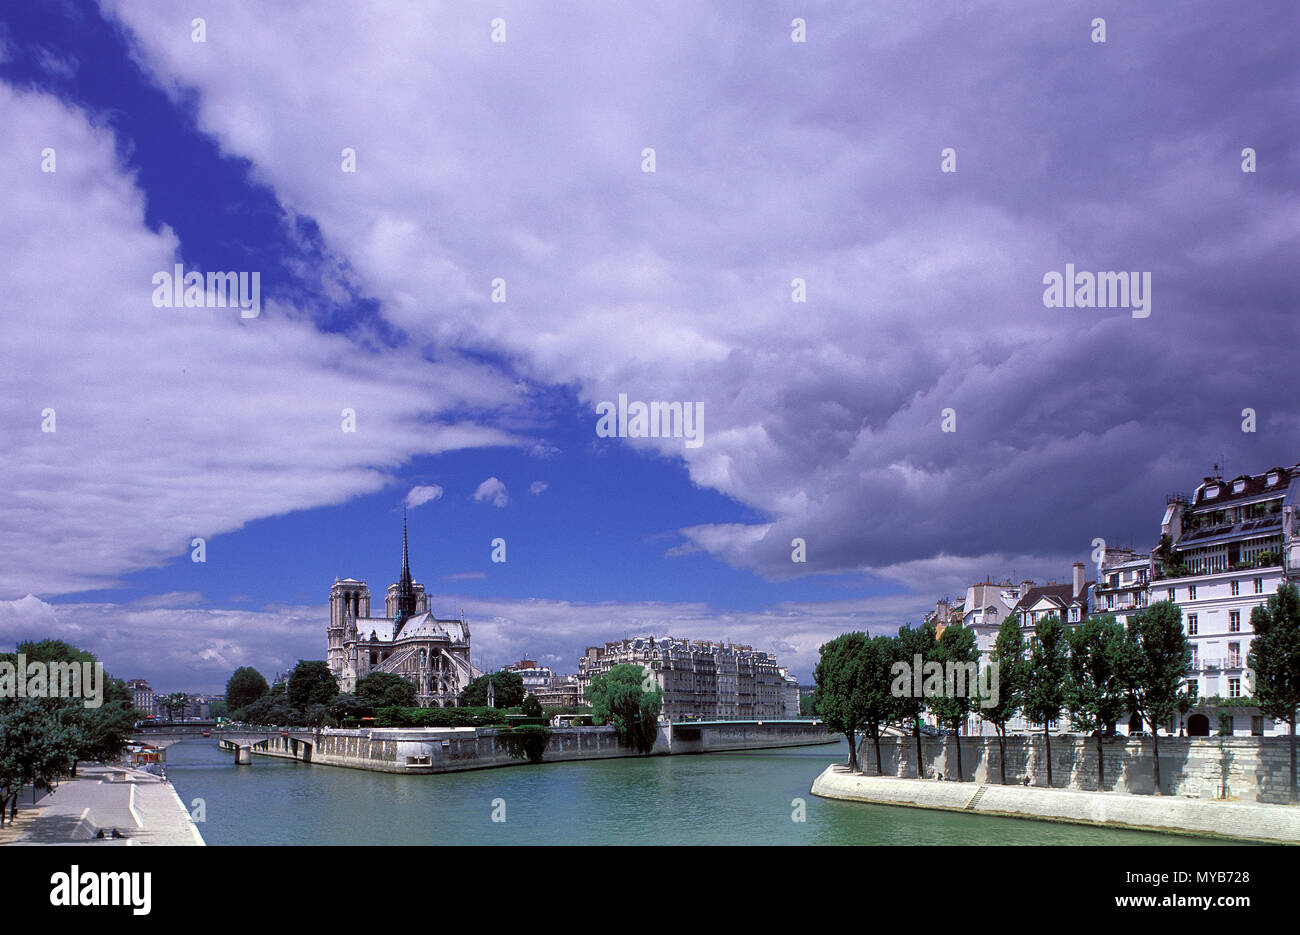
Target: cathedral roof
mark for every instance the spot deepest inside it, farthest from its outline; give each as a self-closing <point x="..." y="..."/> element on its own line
<point x="427" y="626"/>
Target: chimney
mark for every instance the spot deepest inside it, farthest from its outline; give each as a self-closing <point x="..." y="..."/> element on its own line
<point x="1078" y="579"/>
<point x="1024" y="587"/>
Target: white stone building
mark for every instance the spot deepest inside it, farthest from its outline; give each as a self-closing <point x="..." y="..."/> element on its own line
<point x="1224" y="551"/>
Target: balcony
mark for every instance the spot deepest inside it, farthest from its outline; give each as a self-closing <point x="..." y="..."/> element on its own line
<point x="1218" y="663"/>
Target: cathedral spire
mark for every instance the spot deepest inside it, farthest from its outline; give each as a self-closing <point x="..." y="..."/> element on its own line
<point x="406" y="561"/>
<point x="405" y="590"/>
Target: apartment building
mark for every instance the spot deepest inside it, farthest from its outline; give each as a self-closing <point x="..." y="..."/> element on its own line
<point x="701" y="679"/>
<point x="1223" y="551"/>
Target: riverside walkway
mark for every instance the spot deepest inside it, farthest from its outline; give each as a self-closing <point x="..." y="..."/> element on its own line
<point x="144" y="808"/>
<point x="1250" y="821"/>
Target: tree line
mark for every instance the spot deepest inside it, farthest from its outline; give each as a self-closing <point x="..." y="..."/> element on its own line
<point x="42" y="739"/>
<point x="1095" y="672"/>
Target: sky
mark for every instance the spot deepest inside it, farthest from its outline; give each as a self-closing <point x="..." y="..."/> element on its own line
<point x="798" y="266"/>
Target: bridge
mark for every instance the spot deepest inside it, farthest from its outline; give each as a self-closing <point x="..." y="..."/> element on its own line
<point x="295" y="742"/>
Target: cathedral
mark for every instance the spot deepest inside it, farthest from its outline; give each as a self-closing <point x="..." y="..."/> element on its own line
<point x="408" y="640"/>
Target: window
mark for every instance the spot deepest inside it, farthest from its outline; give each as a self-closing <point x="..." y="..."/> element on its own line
<point x="1236" y="588"/>
<point x="1257" y="726"/>
<point x="1196" y="662"/>
<point x="1173" y="594"/>
<point x="1074" y="615"/>
<point x="1193" y="690"/>
<point x="1234" y="688"/>
<point x="1234" y="622"/>
<point x="1259" y="585"/>
<point x="1191" y="624"/>
<point x="1191" y="593"/>
<point x="1234" y="655"/>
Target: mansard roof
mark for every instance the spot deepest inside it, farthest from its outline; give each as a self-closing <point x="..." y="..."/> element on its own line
<point x="1061" y="595"/>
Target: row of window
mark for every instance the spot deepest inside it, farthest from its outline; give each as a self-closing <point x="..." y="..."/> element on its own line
<point x="1235" y="590"/>
<point x="1234" y="688"/>
<point x="1234" y="622"/>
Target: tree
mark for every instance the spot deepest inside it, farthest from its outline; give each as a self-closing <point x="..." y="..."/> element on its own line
<point x="311" y="682"/>
<point x="99" y="732"/>
<point x="617" y="697"/>
<point x="1093" y="693"/>
<point x="1154" y="661"/>
<point x="270" y="709"/>
<point x="843" y="688"/>
<point x="36" y="747"/>
<point x="385" y="690"/>
<point x="914" y="644"/>
<point x="244" y="687"/>
<point x="1045" y="686"/>
<point x="1274" y="657"/>
<point x="1013" y="672"/>
<point x="507" y="690"/>
<point x="532" y="707"/>
<point x="347" y="705"/>
<point x="956" y="647"/>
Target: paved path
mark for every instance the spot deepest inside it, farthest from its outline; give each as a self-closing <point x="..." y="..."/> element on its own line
<point x="1249" y="820"/>
<point x="140" y="805"/>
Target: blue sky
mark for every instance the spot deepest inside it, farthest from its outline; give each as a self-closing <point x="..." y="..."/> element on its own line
<point x="523" y="160"/>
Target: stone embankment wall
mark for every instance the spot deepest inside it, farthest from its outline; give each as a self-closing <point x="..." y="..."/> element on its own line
<point x="434" y="750"/>
<point x="1243" y="820"/>
<point x="1249" y="769"/>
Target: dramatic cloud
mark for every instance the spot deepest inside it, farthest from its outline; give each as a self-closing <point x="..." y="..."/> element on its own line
<point x="493" y="491"/>
<point x="818" y="162"/>
<point x="132" y="429"/>
<point x="421" y="495"/>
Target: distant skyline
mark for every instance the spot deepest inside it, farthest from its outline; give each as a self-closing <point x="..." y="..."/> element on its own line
<point x="782" y="169"/>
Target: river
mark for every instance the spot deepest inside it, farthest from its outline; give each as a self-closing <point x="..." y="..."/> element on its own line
<point x="715" y="798"/>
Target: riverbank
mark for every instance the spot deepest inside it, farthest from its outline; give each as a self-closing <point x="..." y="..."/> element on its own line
<point x="1216" y="818"/>
<point x="417" y="750"/>
<point x="142" y="807"/>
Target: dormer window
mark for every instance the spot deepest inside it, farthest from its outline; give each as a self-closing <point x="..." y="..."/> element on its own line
<point x="1272" y="478"/>
<point x="1211" y="492"/>
<point x="1238" y="486"/>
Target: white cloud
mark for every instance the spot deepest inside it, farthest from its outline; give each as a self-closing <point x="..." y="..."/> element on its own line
<point x="182" y="647"/>
<point x="422" y="494"/>
<point x="537" y="486"/>
<point x="493" y="490"/>
<point x="171" y="423"/>
<point x="823" y="415"/>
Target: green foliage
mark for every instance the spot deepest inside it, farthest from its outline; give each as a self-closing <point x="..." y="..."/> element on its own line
<point x="617" y="697"/>
<point x="957" y="645"/>
<point x="1045" y="686"/>
<point x="531" y="706"/>
<point x="508" y="690"/>
<point x="385" y="690"/>
<point x="1275" y="654"/>
<point x="852" y="691"/>
<point x="1013" y="674"/>
<point x="271" y="709"/>
<point x="310" y="683"/>
<point x="1275" y="658"/>
<point x="1094" y="696"/>
<point x="245" y="686"/>
<point x="527" y="741"/>
<point x="36" y="747"/>
<point x="439" y="717"/>
<point x="343" y="706"/>
<point x="1155" y="660"/>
